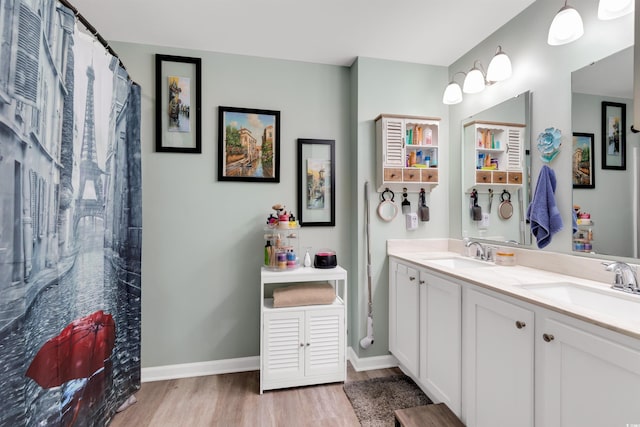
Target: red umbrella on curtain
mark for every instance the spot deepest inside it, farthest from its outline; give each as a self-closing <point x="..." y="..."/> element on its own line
<point x="76" y="352"/>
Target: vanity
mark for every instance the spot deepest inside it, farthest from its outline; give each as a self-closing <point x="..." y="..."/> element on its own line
<point x="515" y="346"/>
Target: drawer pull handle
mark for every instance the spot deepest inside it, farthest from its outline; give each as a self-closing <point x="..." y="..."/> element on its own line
<point x="421" y="282"/>
<point x="393" y="175"/>
<point x="548" y="337"/>
<point x="412" y="278"/>
<point x="520" y="324"/>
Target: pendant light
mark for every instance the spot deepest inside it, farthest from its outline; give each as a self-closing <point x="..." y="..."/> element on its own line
<point x="566" y="26"/>
<point x="474" y="82"/>
<point x="612" y="9"/>
<point x="500" y="67"/>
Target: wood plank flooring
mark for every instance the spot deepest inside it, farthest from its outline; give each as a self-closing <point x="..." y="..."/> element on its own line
<point x="233" y="400"/>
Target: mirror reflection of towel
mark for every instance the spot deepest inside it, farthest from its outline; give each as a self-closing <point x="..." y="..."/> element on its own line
<point x="543" y="212"/>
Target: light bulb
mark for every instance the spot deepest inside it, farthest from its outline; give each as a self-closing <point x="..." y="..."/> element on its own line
<point x="612" y="9"/>
<point x="452" y="94"/>
<point x="499" y="67"/>
<point x="474" y="82"/>
<point x="566" y="27"/>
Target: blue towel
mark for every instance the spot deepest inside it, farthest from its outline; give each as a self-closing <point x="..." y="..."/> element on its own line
<point x="574" y="220"/>
<point x="543" y="214"/>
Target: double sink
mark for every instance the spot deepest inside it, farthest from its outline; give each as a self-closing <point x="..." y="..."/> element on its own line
<point x="604" y="299"/>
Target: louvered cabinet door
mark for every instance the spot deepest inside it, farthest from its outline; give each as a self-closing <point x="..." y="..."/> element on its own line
<point x="393" y="135"/>
<point x="283" y="353"/>
<point x="325" y="342"/>
<point x="515" y="149"/>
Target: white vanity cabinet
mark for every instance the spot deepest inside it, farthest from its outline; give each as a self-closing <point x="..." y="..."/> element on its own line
<point x="425" y="330"/>
<point x="586" y="376"/>
<point x="498" y="362"/>
<point x="303" y="345"/>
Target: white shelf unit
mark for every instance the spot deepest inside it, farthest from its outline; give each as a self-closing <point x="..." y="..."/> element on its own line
<point x="498" y="141"/>
<point x="303" y="345"/>
<point x="403" y="145"/>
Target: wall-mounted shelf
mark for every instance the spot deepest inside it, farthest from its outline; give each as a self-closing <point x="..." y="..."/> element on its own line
<point x="407" y="152"/>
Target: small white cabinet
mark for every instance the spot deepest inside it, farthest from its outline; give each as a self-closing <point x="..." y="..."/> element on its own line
<point x="303" y="345"/>
<point x="407" y="152"/>
<point x="425" y="330"/>
<point x="587" y="376"/>
<point x="498" y="370"/>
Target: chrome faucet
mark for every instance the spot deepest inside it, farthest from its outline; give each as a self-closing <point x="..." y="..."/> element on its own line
<point x="625" y="279"/>
<point x="481" y="251"/>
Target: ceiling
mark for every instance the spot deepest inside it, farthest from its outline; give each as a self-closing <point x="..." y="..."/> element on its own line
<point x="335" y="32"/>
<point x="610" y="76"/>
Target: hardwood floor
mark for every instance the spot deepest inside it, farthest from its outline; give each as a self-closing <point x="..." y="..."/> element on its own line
<point x="232" y="400"/>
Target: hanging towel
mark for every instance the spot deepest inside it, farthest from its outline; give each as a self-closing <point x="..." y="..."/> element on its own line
<point x="543" y="213"/>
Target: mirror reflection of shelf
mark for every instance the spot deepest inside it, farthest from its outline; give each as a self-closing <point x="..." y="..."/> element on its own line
<point x="583" y="238"/>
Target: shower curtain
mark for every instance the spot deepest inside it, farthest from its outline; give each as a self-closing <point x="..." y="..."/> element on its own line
<point x="71" y="221"/>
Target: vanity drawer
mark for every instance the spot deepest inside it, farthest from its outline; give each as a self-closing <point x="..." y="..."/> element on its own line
<point x="392" y="174"/>
<point x="411" y="175"/>
<point x="483" y="177"/>
<point x="514" y="177"/>
<point x="499" y="177"/>
<point x="430" y="175"/>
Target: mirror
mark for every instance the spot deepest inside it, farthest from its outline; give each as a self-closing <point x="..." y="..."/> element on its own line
<point x="612" y="203"/>
<point x="495" y="162"/>
<point x="387" y="209"/>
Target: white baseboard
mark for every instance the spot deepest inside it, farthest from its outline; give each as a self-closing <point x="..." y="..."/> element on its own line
<point x="215" y="367"/>
<point x="198" y="369"/>
<point x="369" y="363"/>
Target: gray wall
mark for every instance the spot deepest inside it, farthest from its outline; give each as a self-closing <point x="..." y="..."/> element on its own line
<point x="397" y="88"/>
<point x="203" y="239"/>
<point x="546" y="71"/>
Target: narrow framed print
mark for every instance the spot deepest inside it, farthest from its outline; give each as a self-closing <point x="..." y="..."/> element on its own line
<point x="178" y="110"/>
<point x="583" y="163"/>
<point x="316" y="182"/>
<point x="614" y="137"/>
<point x="248" y="145"/>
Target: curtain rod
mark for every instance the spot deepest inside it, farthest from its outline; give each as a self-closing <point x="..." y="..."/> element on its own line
<point x="93" y="31"/>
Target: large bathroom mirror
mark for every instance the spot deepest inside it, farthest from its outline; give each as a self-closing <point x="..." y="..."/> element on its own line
<point x="495" y="172"/>
<point x="609" y="206"/>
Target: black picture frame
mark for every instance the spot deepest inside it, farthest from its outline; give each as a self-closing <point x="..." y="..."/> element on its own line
<point x="583" y="167"/>
<point x="248" y="144"/>
<point x="316" y="160"/>
<point x="614" y="138"/>
<point x="178" y="123"/>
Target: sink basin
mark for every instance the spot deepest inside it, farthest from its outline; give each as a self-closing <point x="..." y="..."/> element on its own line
<point x="459" y="262"/>
<point x="607" y="301"/>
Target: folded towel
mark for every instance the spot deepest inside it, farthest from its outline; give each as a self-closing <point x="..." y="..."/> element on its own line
<point x="306" y="294"/>
<point x="543" y="212"/>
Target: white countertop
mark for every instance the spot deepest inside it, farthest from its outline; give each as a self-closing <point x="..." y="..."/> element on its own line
<point x="508" y="280"/>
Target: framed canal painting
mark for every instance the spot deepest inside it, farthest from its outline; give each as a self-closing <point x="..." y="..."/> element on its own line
<point x="316" y="182"/>
<point x="614" y="137"/>
<point x="583" y="165"/>
<point x="248" y="145"/>
<point x="178" y="112"/>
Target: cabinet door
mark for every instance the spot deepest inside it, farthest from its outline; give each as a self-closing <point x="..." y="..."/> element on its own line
<point x="498" y="356"/>
<point x="586" y="379"/>
<point x="283" y="352"/>
<point x="403" y="311"/>
<point x="325" y="342"/>
<point x="440" y="339"/>
<point x="393" y="141"/>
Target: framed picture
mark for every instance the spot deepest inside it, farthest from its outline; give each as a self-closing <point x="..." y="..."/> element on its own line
<point x="583" y="170"/>
<point x="248" y="145"/>
<point x="614" y="138"/>
<point x="316" y="182"/>
<point x="178" y="112"/>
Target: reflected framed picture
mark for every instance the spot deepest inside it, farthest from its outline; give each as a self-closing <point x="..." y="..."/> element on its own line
<point x="248" y="145"/>
<point x="582" y="161"/>
<point x="178" y="111"/>
<point x="316" y="182"/>
<point x="614" y="138"/>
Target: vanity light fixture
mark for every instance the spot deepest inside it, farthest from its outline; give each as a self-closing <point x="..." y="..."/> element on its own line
<point x="612" y="9"/>
<point x="499" y="67"/>
<point x="453" y="92"/>
<point x="476" y="79"/>
<point x="565" y="27"/>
